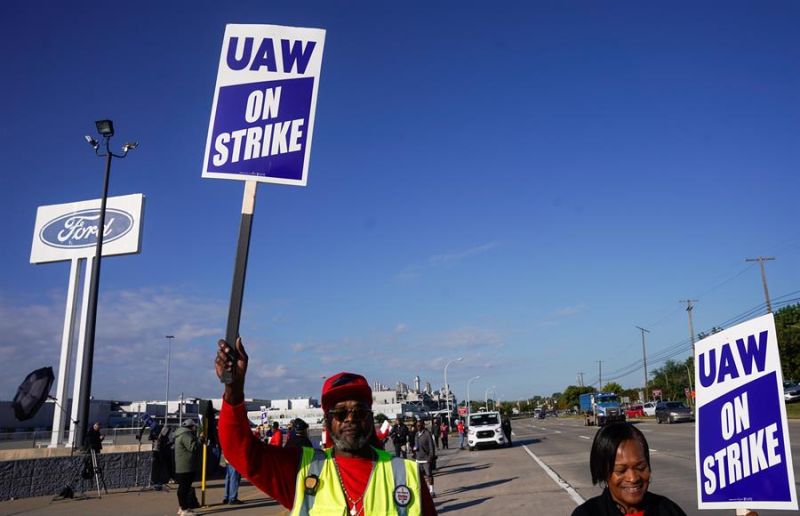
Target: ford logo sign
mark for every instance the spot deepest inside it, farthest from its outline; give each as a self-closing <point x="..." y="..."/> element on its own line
<point x="79" y="229"/>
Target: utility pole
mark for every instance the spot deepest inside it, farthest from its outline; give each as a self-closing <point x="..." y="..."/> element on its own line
<point x="761" y="260"/>
<point x="600" y="375"/>
<point x="689" y="308"/>
<point x="644" y="361"/>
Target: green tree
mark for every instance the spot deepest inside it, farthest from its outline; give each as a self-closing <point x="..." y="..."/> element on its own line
<point x="613" y="387"/>
<point x="672" y="378"/>
<point x="787" y="325"/>
<point x="571" y="394"/>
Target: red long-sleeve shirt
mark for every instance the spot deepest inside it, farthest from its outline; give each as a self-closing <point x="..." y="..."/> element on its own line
<point x="274" y="469"/>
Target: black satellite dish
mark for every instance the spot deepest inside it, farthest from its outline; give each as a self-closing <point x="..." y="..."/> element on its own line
<point x="32" y="393"/>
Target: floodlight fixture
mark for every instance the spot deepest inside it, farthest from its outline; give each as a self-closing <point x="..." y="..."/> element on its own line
<point x="130" y="146"/>
<point x="105" y="128"/>
<point x="91" y="141"/>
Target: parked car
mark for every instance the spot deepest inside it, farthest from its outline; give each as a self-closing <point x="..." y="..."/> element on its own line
<point x="649" y="408"/>
<point x="672" y="412"/>
<point x="634" y="411"/>
<point x="791" y="393"/>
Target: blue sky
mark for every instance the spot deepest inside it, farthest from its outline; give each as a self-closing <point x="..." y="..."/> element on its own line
<point x="518" y="184"/>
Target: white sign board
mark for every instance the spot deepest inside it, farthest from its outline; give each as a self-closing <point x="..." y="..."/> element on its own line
<point x="262" y="116"/>
<point x="743" y="454"/>
<point x="67" y="231"/>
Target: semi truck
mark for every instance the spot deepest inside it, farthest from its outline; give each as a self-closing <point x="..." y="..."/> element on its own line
<point x="600" y="408"/>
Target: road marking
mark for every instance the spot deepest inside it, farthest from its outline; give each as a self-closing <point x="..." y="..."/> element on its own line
<point x="556" y="431"/>
<point x="563" y="484"/>
<point x="584" y="437"/>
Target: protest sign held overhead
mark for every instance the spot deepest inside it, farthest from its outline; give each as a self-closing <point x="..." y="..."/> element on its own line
<point x="262" y="116"/>
<point x="743" y="454"/>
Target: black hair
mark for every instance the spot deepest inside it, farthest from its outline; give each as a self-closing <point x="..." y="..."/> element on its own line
<point x="605" y="445"/>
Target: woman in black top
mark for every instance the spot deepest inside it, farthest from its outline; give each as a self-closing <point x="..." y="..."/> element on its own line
<point x="620" y="460"/>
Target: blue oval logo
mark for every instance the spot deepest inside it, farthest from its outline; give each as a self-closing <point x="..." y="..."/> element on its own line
<point x="79" y="229"/>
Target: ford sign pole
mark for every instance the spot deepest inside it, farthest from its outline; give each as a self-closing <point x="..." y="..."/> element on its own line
<point x="240" y="268"/>
<point x="106" y="130"/>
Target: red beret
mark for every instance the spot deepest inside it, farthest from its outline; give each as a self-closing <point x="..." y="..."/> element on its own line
<point x="345" y="387"/>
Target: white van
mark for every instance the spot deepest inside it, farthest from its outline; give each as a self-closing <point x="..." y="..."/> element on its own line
<point x="484" y="430"/>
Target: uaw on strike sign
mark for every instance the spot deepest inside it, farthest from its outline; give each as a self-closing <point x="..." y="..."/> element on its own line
<point x="744" y="459"/>
<point x="262" y="117"/>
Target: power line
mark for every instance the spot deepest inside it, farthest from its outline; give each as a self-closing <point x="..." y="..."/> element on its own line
<point x="684" y="345"/>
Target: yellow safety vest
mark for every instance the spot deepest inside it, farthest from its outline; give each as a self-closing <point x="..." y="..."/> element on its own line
<point x="393" y="488"/>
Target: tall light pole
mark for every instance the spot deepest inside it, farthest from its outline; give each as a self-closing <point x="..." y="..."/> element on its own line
<point x="469" y="406"/>
<point x="166" y="394"/>
<point x="644" y="360"/>
<point x="447" y="388"/>
<point x="106" y="130"/>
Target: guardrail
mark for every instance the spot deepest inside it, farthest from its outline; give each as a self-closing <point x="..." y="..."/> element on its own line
<point x="41" y="438"/>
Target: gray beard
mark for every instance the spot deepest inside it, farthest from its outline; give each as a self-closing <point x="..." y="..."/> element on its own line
<point x="350" y="445"/>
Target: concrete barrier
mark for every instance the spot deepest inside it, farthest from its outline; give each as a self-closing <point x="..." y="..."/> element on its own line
<point x="27" y="477"/>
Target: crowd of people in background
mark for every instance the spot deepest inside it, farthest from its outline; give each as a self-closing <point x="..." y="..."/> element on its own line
<point x="176" y="454"/>
<point x="176" y="451"/>
<point x="295" y="434"/>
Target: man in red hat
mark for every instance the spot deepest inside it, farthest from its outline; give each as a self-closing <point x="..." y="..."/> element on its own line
<point x="351" y="477"/>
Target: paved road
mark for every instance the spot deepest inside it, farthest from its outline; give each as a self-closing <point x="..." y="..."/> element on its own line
<point x="509" y="481"/>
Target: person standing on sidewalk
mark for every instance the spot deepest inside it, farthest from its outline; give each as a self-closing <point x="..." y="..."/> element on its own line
<point x="232" y="479"/>
<point x="399" y="436"/>
<point x="276" y="439"/>
<point x="94" y="438"/>
<point x="443" y="431"/>
<point x="187" y="453"/>
<point x="461" y="434"/>
<point x="412" y="438"/>
<point x="506" y="426"/>
<point x="425" y="453"/>
<point x="300" y="437"/>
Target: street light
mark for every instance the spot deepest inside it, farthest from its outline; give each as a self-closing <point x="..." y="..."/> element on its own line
<point x="447" y="389"/>
<point x="486" y="397"/>
<point x="106" y="130"/>
<point x="166" y="394"/>
<point x="469" y="405"/>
